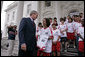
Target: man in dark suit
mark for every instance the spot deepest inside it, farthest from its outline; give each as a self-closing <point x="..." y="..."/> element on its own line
<point x="27" y="37"/>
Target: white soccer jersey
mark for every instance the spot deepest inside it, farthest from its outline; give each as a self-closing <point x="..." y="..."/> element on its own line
<point x="61" y="28"/>
<point x="56" y="34"/>
<point x="51" y="25"/>
<point x="76" y="26"/>
<point x="43" y="40"/>
<point x="70" y="27"/>
<point x="81" y="32"/>
<point x="38" y="30"/>
<point x="66" y="21"/>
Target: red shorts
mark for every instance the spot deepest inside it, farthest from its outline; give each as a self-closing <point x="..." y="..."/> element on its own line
<point x="81" y="46"/>
<point x="53" y="47"/>
<point x="58" y="46"/>
<point x="41" y="53"/>
<point x="71" y="36"/>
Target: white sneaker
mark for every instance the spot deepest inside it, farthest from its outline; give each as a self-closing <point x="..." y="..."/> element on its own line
<point x="65" y="50"/>
<point x="74" y="46"/>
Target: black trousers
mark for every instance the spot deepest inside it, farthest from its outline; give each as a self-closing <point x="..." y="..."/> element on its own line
<point x="27" y="53"/>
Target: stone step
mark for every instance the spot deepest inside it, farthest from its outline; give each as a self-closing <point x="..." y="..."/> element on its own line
<point x="68" y="54"/>
<point x="16" y="42"/>
<point x="16" y="46"/>
<point x="15" y="52"/>
<point x="74" y="50"/>
<point x="15" y="49"/>
<point x="4" y="52"/>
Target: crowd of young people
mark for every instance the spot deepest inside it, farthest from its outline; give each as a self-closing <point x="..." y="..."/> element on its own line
<point x="53" y="37"/>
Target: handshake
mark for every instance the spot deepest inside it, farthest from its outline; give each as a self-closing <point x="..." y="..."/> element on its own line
<point x="41" y="49"/>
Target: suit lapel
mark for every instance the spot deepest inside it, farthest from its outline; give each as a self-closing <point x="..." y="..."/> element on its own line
<point x="33" y="24"/>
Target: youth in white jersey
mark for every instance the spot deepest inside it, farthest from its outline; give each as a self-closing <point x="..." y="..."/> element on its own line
<point x="56" y="33"/>
<point x="70" y="27"/>
<point x="81" y="32"/>
<point x="56" y="40"/>
<point x="45" y="41"/>
<point x="81" y="39"/>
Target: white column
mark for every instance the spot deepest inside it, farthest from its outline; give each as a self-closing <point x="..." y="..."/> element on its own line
<point x="5" y="34"/>
<point x="19" y="14"/>
<point x="58" y="10"/>
<point x="1" y="5"/>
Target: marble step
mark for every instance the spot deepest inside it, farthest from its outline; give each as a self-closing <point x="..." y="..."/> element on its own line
<point x="68" y="54"/>
<point x="74" y="50"/>
<point x="4" y="52"/>
<point x="16" y="46"/>
<point x="15" y="52"/>
<point x="16" y="42"/>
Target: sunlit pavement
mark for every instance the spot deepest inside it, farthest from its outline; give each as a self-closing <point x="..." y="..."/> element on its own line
<point x="4" y="50"/>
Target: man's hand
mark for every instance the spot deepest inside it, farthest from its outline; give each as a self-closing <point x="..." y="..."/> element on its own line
<point x="51" y="37"/>
<point x="23" y="46"/>
<point x="42" y="49"/>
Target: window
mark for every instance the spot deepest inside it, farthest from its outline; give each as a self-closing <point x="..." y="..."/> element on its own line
<point x="13" y="15"/>
<point x="28" y="9"/>
<point x="8" y="17"/>
<point x="47" y="3"/>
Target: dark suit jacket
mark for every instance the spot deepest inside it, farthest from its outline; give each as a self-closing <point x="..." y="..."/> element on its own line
<point x="27" y="34"/>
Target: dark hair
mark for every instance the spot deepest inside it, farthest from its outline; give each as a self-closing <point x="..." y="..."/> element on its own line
<point x="68" y="16"/>
<point x="47" y="22"/>
<point x="82" y="22"/>
<point x="80" y="13"/>
<point x="80" y="16"/>
<point x="61" y="19"/>
<point x="49" y="18"/>
<point x="76" y="15"/>
<point x="71" y="19"/>
<point x="55" y="18"/>
<point x="64" y="18"/>
<point x="56" y="23"/>
<point x="53" y="24"/>
<point x="39" y="23"/>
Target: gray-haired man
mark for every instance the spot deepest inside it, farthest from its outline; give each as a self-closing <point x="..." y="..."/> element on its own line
<point x="27" y="38"/>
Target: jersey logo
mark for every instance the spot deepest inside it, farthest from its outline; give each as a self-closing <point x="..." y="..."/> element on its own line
<point x="56" y="32"/>
<point x="46" y="33"/>
<point x="43" y="40"/>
